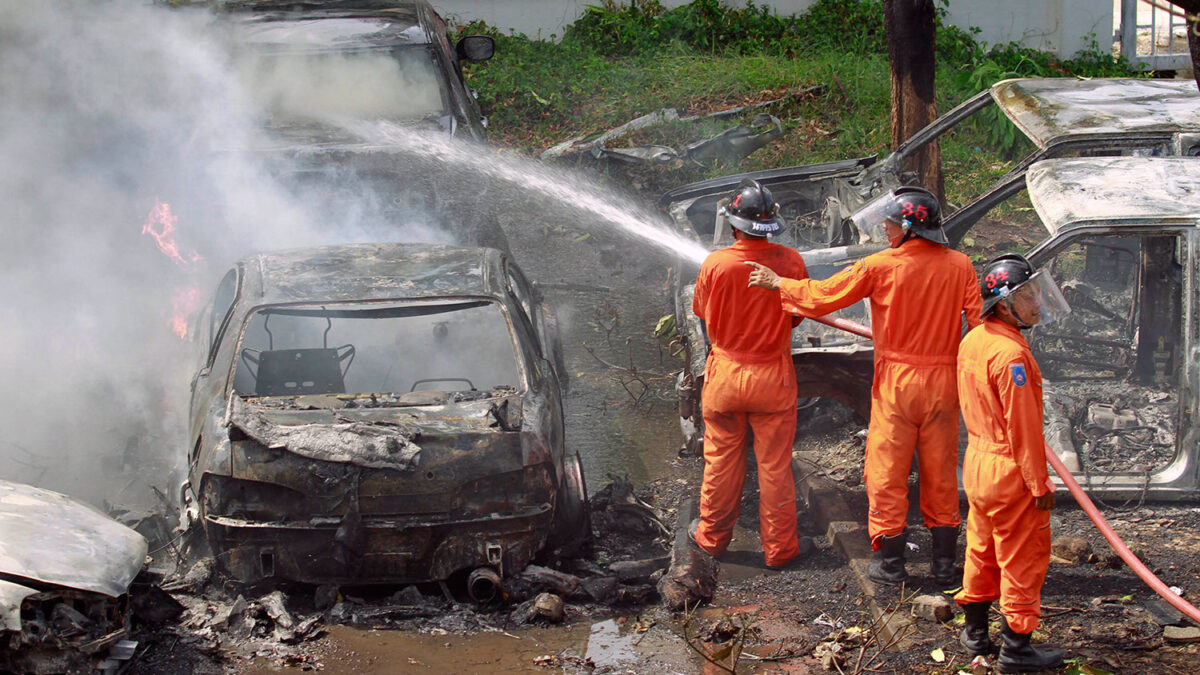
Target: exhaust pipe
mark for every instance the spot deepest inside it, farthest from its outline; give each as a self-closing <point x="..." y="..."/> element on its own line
<point x="484" y="585"/>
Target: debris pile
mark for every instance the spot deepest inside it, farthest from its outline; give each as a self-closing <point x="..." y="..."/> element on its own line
<point x="65" y="631"/>
<point x="1119" y="427"/>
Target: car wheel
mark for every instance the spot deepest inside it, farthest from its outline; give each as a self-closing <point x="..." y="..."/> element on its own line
<point x="572" y="512"/>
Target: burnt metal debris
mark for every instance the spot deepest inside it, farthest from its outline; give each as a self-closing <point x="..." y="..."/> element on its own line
<point x="730" y="146"/>
<point x="65" y="574"/>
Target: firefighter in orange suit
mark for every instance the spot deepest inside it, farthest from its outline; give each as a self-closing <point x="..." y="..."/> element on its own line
<point x="1004" y="471"/>
<point x="749" y="382"/>
<point x="920" y="290"/>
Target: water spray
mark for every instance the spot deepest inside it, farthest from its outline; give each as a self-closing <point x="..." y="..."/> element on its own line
<point x="548" y="180"/>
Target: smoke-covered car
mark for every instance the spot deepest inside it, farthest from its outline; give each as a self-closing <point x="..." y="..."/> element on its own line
<point x="345" y="88"/>
<point x="381" y="413"/>
<point x="308" y="62"/>
<point x="1062" y="118"/>
<point x="65" y="573"/>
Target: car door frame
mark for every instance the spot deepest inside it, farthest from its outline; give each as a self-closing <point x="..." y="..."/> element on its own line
<point x="1180" y="479"/>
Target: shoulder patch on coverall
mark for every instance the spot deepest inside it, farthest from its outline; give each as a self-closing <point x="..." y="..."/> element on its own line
<point x="1018" y="373"/>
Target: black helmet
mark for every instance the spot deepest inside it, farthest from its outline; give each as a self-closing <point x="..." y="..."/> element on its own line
<point x="1001" y="277"/>
<point x="918" y="212"/>
<point x="753" y="210"/>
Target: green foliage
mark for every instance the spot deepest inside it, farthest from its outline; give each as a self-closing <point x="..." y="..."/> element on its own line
<point x="625" y="59"/>
<point x="713" y="27"/>
<point x="843" y="26"/>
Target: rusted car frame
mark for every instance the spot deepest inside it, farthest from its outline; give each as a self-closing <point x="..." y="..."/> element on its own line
<point x="403" y="471"/>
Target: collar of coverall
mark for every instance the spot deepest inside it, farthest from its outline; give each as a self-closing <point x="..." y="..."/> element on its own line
<point x="751" y="242"/>
<point x="1004" y="326"/>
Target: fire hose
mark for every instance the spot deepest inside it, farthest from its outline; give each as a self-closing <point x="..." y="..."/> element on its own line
<point x="1139" y="568"/>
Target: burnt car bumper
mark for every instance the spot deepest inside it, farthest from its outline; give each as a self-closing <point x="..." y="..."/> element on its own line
<point x="378" y="550"/>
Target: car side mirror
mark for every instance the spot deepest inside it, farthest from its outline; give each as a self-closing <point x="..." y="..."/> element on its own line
<point x="475" y="48"/>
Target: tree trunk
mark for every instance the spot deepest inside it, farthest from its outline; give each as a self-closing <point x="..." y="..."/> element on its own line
<point x="910" y="32"/>
<point x="1192" y="9"/>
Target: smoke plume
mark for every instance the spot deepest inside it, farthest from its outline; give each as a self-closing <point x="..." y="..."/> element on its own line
<point x="126" y="195"/>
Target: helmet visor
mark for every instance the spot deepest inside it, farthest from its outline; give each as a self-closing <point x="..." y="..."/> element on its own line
<point x="1039" y="300"/>
<point x="870" y="218"/>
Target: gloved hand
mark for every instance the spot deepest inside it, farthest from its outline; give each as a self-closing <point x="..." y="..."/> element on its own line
<point x="1044" y="503"/>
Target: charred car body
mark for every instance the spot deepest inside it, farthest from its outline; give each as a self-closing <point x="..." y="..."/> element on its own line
<point x="65" y="573"/>
<point x="381" y="413"/>
<point x="1062" y="118"/>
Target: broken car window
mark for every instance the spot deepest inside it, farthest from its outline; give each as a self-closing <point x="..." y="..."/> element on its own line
<point x="222" y="305"/>
<point x="1111" y="366"/>
<point x="339" y="349"/>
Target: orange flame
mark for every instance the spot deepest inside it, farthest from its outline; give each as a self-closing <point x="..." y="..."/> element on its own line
<point x="160" y="224"/>
<point x="183" y="305"/>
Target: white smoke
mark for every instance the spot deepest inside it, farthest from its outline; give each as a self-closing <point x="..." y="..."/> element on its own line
<point x="107" y="109"/>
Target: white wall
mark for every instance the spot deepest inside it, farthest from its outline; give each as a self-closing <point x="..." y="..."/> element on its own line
<point x="1059" y="26"/>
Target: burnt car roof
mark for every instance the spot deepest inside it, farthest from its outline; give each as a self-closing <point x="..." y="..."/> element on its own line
<point x="1073" y="192"/>
<point x="51" y="539"/>
<point x="1052" y="108"/>
<point x="321" y="26"/>
<point x="367" y="272"/>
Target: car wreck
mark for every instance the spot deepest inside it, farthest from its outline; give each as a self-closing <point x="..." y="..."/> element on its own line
<point x="309" y="62"/>
<point x="381" y="414"/>
<point x="65" y="574"/>
<point x="333" y="83"/>
<point x="1092" y="119"/>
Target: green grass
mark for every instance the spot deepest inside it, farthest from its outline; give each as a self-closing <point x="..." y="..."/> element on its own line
<point x="623" y="60"/>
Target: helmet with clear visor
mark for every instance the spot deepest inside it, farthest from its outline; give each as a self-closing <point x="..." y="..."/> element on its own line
<point x="1031" y="296"/>
<point x="914" y="209"/>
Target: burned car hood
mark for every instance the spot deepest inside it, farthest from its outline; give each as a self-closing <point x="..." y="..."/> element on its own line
<point x="370" y="431"/>
<point x="50" y="539"/>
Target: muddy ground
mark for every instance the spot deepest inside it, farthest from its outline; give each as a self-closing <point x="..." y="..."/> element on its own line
<point x="813" y="617"/>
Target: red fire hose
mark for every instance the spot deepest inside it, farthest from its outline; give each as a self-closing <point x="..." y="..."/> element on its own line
<point x="844" y="324"/>
<point x="1119" y="546"/>
<point x="1081" y="498"/>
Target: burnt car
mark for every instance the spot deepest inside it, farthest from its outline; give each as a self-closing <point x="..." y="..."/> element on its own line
<point x="379" y="414"/>
<point x="1090" y="119"/>
<point x="341" y="87"/>
<point x="1060" y="117"/>
<point x="65" y="574"/>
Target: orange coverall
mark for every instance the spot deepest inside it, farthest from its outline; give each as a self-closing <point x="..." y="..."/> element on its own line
<point x="919" y="293"/>
<point x="1008" y="540"/>
<point x="748" y="380"/>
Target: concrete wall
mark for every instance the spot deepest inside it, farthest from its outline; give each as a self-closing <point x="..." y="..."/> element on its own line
<point x="1059" y="26"/>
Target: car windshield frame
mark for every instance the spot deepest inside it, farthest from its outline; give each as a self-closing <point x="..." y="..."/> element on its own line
<point x="386" y="309"/>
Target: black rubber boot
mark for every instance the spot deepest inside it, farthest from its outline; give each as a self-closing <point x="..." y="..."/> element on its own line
<point x="888" y="566"/>
<point x="974" y="637"/>
<point x="1018" y="656"/>
<point x="945" y="543"/>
